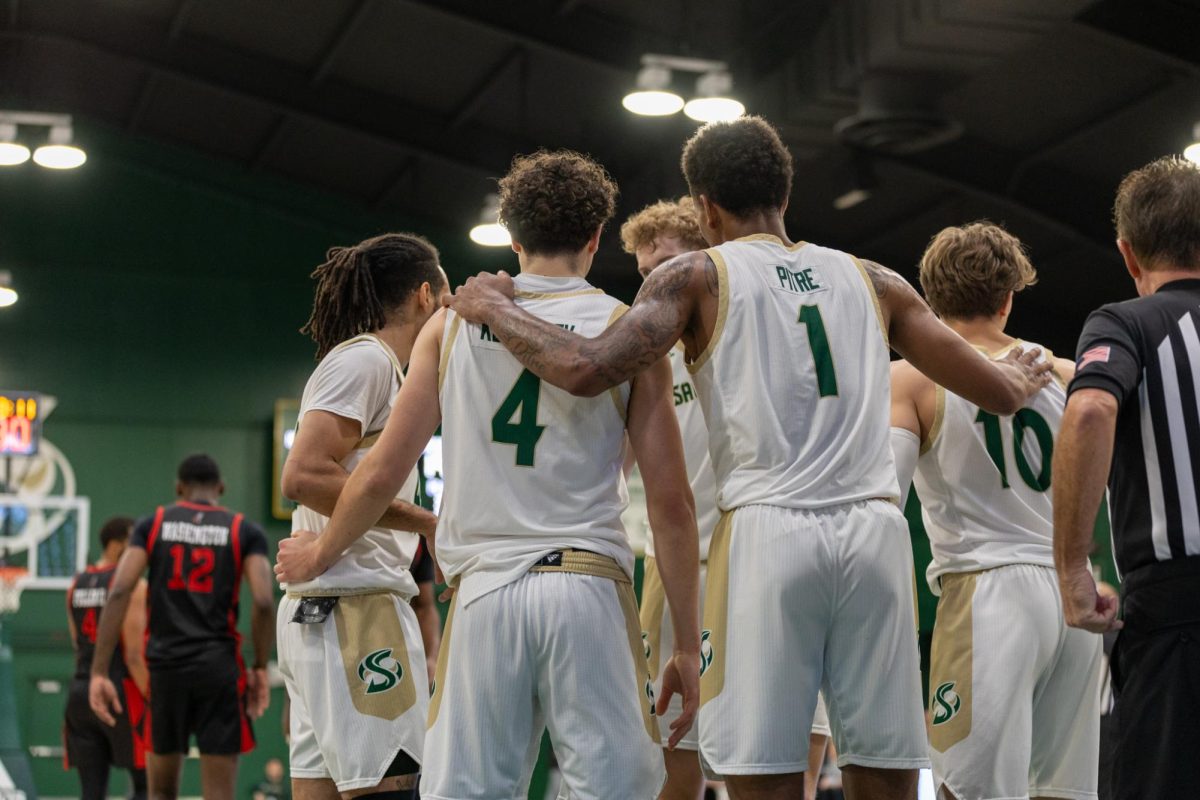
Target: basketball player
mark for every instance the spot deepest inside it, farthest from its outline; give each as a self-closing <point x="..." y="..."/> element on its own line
<point x="197" y="552"/>
<point x="655" y="235"/>
<point x="1014" y="692"/>
<point x="350" y="646"/>
<point x="810" y="572"/>
<point x="544" y="630"/>
<point x="92" y="747"/>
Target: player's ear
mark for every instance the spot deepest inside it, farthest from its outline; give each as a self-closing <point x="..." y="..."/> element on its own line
<point x="220" y="488"/>
<point x="594" y="243"/>
<point x="179" y="488"/>
<point x="1132" y="265"/>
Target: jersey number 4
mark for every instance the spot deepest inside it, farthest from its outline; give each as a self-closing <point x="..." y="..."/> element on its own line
<point x="515" y="422"/>
<point x="1024" y="420"/>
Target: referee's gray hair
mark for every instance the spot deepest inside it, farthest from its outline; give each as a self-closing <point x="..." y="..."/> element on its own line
<point x="1158" y="212"/>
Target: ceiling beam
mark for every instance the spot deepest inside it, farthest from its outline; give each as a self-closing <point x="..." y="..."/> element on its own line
<point x="399" y="178"/>
<point x="145" y="94"/>
<point x="14" y="10"/>
<point x="478" y="94"/>
<point x="180" y="18"/>
<point x="269" y="142"/>
<point x="340" y="40"/>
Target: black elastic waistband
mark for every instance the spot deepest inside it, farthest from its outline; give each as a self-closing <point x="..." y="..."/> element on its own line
<point x="1161" y="571"/>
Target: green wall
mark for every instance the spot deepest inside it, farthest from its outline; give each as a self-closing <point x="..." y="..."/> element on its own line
<point x="161" y="293"/>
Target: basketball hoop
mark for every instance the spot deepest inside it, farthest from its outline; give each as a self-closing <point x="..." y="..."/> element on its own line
<point x="12" y="581"/>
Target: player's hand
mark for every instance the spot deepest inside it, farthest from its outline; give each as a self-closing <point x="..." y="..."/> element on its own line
<point x="1084" y="606"/>
<point x="431" y="546"/>
<point x="479" y="296"/>
<point x="681" y="676"/>
<point x="258" y="692"/>
<point x="102" y="697"/>
<point x="297" y="560"/>
<point x="1035" y="374"/>
<point x="447" y="595"/>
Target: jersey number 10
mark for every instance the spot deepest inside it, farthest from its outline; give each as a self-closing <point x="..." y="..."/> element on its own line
<point x="1023" y="420"/>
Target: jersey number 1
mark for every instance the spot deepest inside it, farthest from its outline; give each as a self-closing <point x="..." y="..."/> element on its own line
<point x="521" y="404"/>
<point x="818" y="342"/>
<point x="1025" y="419"/>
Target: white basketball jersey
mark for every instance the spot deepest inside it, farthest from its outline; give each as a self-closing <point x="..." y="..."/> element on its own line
<point x="380" y="558"/>
<point x="695" y="453"/>
<point x="795" y="379"/>
<point x="984" y="482"/>
<point x="529" y="468"/>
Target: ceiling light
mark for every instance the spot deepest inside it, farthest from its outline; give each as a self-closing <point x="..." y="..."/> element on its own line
<point x="59" y="153"/>
<point x="8" y="295"/>
<point x="489" y="232"/>
<point x="851" y="198"/>
<point x="712" y="102"/>
<point x="1192" y="151"/>
<point x="653" y="97"/>
<point x="11" y="152"/>
<point x="862" y="184"/>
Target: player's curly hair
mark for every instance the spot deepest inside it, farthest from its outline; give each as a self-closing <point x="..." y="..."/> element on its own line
<point x="741" y="165"/>
<point x="359" y="287"/>
<point x="1158" y="212"/>
<point x="665" y="218"/>
<point x="553" y="202"/>
<point x="968" y="270"/>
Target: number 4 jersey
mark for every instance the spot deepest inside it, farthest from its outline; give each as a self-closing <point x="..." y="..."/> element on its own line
<point x="529" y="468"/>
<point x="984" y="482"/>
<point x="794" y="381"/>
<point x="195" y="552"/>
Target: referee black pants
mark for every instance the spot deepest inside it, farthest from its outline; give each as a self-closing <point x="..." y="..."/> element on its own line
<point x="1156" y="681"/>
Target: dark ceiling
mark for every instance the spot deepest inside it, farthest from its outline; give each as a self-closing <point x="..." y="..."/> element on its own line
<point x="415" y="108"/>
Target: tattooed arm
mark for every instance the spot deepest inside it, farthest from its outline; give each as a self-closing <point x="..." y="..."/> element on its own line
<point x="663" y="310"/>
<point x="998" y="386"/>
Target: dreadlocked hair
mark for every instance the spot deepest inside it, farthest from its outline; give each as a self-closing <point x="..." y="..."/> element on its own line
<point x="359" y="287"/>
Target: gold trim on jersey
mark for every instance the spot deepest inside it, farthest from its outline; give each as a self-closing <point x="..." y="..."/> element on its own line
<point x="641" y="672"/>
<point x="439" y="674"/>
<point x="375" y="655"/>
<point x="951" y="662"/>
<point x="722" y="310"/>
<point x="586" y="563"/>
<point x="654" y="606"/>
<point x="1059" y="379"/>
<point x="939" y="417"/>
<point x="447" y="347"/>
<point x="862" y="270"/>
<point x="615" y="392"/>
<point x="554" y="295"/>
<point x="770" y="237"/>
<point x="368" y="440"/>
<point x="716" y="611"/>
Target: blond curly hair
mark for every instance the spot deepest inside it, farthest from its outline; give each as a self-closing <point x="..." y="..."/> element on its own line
<point x="967" y="271"/>
<point x="665" y="218"/>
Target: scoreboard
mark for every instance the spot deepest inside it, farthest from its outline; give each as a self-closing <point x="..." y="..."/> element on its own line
<point x="21" y="416"/>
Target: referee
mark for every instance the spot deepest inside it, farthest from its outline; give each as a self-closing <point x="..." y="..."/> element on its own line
<point x="1134" y="403"/>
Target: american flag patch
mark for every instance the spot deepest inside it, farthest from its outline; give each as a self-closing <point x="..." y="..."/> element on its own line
<point x="1096" y="354"/>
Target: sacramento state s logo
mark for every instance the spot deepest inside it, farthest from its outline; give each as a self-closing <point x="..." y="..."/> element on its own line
<point x="379" y="671"/>
<point x="946" y="703"/>
<point x="646" y="643"/>
<point x="706" y="651"/>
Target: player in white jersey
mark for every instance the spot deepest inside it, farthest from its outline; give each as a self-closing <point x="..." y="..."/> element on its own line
<point x="810" y="569"/>
<point x="543" y="632"/>
<point x="1014" y="692"/>
<point x="349" y="644"/>
<point x="655" y="235"/>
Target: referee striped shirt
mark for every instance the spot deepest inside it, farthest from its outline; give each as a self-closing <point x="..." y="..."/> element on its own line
<point x="1146" y="353"/>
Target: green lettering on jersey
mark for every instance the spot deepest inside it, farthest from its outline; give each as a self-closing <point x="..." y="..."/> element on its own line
<point x="1025" y="419"/>
<point x="684" y="393"/>
<point x="522" y="400"/>
<point x="818" y="342"/>
<point x="801" y="281"/>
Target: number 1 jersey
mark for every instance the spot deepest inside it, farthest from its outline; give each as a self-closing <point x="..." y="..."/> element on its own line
<point x="195" y="552"/>
<point x="794" y="381"/>
<point x="984" y="482"/>
<point x="529" y="468"/>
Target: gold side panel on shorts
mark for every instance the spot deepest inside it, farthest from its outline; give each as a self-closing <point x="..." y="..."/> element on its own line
<point x="629" y="606"/>
<point x="951" y="664"/>
<point x="874" y="298"/>
<point x="447" y="347"/>
<point x="939" y="416"/>
<point x="586" y="563"/>
<point x="375" y="655"/>
<point x="716" y="611"/>
<point x="722" y="310"/>
<point x="654" y="605"/>
<point x="439" y="674"/>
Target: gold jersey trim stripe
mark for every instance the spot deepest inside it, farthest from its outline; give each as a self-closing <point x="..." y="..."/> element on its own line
<point x="439" y="674"/>
<point x="554" y="295"/>
<point x="447" y="347"/>
<point x="770" y="237"/>
<point x="862" y="270"/>
<point x="939" y="416"/>
<point x="1054" y="368"/>
<point x="615" y="392"/>
<point x="584" y="563"/>
<point x="722" y="310"/>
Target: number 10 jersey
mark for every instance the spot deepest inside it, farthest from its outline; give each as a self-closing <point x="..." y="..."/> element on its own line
<point x="529" y="468"/>
<point x="984" y="482"/>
